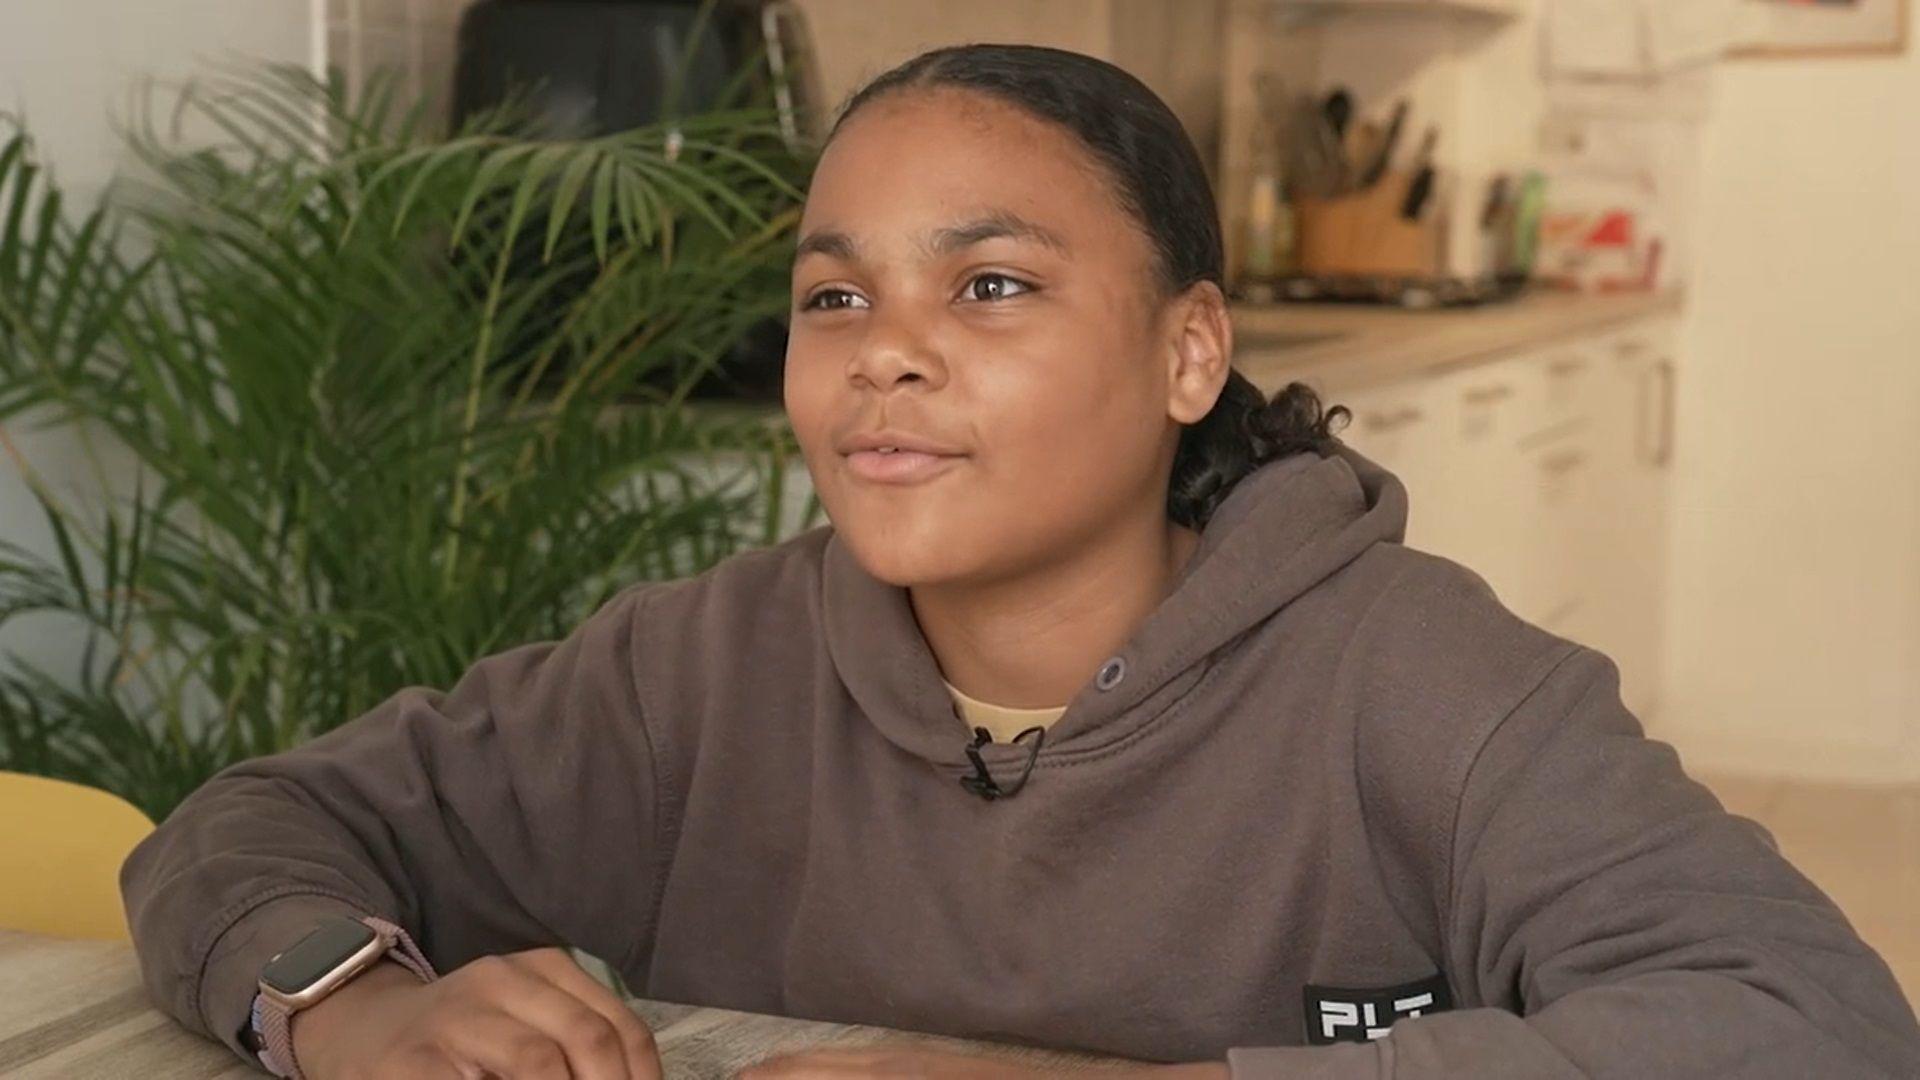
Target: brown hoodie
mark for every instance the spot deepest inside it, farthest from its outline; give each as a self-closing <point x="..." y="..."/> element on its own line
<point x="1330" y="784"/>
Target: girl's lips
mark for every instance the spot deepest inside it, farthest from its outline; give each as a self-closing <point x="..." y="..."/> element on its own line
<point x="900" y="466"/>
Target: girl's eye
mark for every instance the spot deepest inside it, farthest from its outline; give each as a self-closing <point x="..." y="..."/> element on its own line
<point x="829" y="300"/>
<point x="995" y="287"/>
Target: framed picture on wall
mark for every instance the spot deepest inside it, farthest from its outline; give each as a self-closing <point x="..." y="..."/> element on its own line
<point x="1778" y="28"/>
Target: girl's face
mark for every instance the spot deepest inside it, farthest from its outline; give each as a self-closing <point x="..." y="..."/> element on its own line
<point x="968" y="286"/>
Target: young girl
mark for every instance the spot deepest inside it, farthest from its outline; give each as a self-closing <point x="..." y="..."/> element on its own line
<point x="1108" y="713"/>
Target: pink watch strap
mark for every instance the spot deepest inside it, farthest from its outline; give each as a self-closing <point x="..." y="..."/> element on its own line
<point x="274" y="1021"/>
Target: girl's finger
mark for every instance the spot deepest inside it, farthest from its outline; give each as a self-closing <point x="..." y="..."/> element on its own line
<point x="591" y="1046"/>
<point x="556" y="966"/>
<point x="498" y="1044"/>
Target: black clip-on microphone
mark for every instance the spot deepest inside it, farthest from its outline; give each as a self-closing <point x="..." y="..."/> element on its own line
<point x="981" y="783"/>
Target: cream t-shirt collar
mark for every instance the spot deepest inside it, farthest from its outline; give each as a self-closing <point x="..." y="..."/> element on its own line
<point x="1001" y="722"/>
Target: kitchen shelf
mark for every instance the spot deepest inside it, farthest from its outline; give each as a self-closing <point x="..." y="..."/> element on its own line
<point x="1457" y="9"/>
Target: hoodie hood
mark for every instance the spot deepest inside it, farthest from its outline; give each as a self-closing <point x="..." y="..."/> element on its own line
<point x="1283" y="529"/>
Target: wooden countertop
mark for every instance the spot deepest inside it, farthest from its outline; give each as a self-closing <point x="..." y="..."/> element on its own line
<point x="76" y="1008"/>
<point x="1368" y="346"/>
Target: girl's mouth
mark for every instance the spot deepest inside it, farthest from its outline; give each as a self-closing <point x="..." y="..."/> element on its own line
<point x="890" y="465"/>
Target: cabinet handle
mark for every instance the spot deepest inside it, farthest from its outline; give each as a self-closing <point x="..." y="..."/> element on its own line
<point x="1488" y="395"/>
<point x="1399" y="418"/>
<point x="1632" y="349"/>
<point x="1567" y="365"/>
<point x="1560" y="464"/>
<point x="1664" y="455"/>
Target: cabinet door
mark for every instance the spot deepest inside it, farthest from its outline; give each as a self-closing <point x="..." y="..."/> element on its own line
<point x="1521" y="434"/>
<point x="1565" y="480"/>
<point x="1565" y="414"/>
<point x="1490" y="520"/>
<point x="1625" y="550"/>
<point x="1565" y="387"/>
<point x="1395" y="426"/>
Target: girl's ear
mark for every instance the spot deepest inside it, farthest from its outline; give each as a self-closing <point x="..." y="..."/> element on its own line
<point x="1199" y="351"/>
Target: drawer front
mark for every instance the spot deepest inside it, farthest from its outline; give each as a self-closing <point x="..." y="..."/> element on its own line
<point x="1519" y="458"/>
<point x="1566" y="488"/>
<point x="1397" y="427"/>
<point x="1563" y="382"/>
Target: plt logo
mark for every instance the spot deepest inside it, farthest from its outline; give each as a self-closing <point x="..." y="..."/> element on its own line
<point x="1341" y="1014"/>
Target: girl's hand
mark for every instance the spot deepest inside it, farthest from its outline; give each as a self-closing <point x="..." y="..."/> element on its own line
<point x="908" y="1061"/>
<point x="530" y="1015"/>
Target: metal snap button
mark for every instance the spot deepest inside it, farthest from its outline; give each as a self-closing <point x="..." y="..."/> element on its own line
<point x="1111" y="673"/>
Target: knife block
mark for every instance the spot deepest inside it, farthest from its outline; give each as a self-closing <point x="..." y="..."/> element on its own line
<point x="1364" y="235"/>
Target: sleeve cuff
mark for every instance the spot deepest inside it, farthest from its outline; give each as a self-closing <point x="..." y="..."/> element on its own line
<point x="230" y="974"/>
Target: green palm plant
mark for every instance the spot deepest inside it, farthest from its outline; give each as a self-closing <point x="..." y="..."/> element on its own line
<point x="391" y="404"/>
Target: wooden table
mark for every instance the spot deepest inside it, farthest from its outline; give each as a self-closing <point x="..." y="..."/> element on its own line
<point x="71" y="1009"/>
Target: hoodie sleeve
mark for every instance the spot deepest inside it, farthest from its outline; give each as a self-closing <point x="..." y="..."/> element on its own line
<point x="1617" y="922"/>
<point x="519" y="809"/>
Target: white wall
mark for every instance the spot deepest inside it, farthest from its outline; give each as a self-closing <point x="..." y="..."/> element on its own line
<point x="69" y="67"/>
<point x="1795" y="607"/>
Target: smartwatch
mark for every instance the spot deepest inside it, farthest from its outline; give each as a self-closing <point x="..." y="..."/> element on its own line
<point x="325" y="959"/>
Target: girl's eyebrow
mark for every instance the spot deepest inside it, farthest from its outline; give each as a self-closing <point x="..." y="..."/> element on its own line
<point x="992" y="225"/>
<point x="826" y="242"/>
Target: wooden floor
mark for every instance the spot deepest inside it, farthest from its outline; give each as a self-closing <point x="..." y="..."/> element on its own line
<point x="1861" y="845"/>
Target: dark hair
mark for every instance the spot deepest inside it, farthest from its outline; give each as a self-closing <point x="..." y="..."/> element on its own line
<point x="1157" y="174"/>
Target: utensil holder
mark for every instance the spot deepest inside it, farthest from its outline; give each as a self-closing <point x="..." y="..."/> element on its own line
<point x="1364" y="235"/>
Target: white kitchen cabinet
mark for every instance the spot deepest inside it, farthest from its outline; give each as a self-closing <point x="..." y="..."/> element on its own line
<point x="1560" y="478"/>
<point x="1625" y="552"/>
<point x="1492" y="512"/>
<point x="1397" y="426"/>
<point x="1545" y="471"/>
<point x="1565" y="483"/>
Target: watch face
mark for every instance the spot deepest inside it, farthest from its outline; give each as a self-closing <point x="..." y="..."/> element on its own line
<point x="329" y="945"/>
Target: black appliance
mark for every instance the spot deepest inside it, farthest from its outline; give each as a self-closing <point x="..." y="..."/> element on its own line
<point x="582" y="68"/>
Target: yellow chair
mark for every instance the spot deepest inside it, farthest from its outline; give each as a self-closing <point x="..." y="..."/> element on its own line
<point x="61" y="846"/>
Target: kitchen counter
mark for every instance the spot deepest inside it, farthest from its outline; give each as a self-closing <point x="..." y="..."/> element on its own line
<point x="1348" y="347"/>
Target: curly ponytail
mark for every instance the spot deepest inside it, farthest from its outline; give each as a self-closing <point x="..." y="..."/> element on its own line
<point x="1242" y="432"/>
<point x="1159" y="178"/>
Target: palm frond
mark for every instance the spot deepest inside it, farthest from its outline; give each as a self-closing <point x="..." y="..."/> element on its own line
<point x="394" y="404"/>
